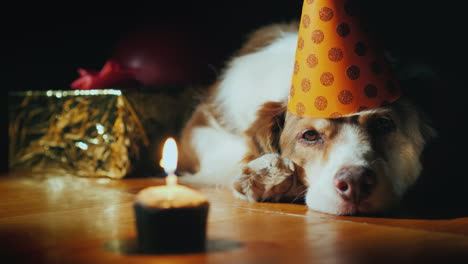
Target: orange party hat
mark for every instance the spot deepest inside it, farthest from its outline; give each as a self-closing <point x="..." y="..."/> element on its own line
<point x="337" y="71"/>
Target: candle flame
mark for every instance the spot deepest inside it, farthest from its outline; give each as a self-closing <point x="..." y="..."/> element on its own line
<point x="169" y="160"/>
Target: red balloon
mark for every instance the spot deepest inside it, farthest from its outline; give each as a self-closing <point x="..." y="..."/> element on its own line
<point x="162" y="56"/>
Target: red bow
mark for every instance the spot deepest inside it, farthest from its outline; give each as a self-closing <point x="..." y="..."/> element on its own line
<point x="111" y="76"/>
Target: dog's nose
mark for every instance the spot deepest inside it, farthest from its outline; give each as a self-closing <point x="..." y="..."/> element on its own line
<point x="355" y="183"/>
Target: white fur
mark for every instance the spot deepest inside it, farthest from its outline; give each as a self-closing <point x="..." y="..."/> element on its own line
<point x="219" y="153"/>
<point x="251" y="81"/>
<point x="350" y="150"/>
<point x="263" y="76"/>
<point x="255" y="79"/>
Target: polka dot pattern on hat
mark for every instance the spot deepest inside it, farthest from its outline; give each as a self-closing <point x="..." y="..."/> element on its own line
<point x="312" y="60"/>
<point x="353" y="72"/>
<point x="337" y="70"/>
<point x="300" y="109"/>
<point x="300" y="43"/>
<point x="336" y="115"/>
<point x="305" y="85"/>
<point x="306" y="21"/>
<point x="317" y="36"/>
<point x="370" y="90"/>
<point x="335" y="54"/>
<point x="345" y="97"/>
<point x="296" y="67"/>
<point x="327" y="79"/>
<point x="292" y="91"/>
<point x="326" y="14"/>
<point x="320" y="103"/>
<point x="343" y="30"/>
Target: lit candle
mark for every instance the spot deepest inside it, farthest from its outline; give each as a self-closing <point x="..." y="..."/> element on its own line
<point x="168" y="161"/>
<point x="171" y="217"/>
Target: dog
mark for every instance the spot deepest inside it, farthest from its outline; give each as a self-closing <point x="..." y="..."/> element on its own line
<point x="242" y="135"/>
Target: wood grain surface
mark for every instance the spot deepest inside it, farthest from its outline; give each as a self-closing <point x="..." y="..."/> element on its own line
<point x="46" y="218"/>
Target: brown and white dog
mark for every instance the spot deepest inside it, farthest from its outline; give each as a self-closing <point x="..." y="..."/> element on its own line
<point x="242" y="135"/>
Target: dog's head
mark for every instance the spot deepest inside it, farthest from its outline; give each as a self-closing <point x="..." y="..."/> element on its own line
<point x="361" y="163"/>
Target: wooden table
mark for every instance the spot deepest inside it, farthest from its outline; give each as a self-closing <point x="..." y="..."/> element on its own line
<point x="66" y="219"/>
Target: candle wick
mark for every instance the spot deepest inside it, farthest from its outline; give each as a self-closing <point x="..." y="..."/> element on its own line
<point x="171" y="179"/>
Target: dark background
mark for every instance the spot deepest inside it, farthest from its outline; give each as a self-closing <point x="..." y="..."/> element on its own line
<point x="48" y="42"/>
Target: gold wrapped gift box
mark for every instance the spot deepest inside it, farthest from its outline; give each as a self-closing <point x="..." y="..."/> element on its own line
<point x="93" y="133"/>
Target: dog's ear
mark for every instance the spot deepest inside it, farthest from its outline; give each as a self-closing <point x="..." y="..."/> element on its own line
<point x="264" y="134"/>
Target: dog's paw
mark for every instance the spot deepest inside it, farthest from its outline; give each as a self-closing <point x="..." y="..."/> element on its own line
<point x="267" y="178"/>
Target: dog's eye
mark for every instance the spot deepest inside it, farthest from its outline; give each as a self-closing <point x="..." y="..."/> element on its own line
<point x="310" y="136"/>
<point x="383" y="125"/>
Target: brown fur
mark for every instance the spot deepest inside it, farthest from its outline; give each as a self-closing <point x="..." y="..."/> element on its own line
<point x="280" y="163"/>
<point x="207" y="109"/>
<point x="263" y="135"/>
<point x="269" y="135"/>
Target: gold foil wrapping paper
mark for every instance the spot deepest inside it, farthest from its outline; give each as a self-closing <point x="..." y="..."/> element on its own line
<point x="91" y="133"/>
